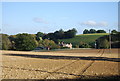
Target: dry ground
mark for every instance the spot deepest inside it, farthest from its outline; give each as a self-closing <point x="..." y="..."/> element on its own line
<point x="70" y="64"/>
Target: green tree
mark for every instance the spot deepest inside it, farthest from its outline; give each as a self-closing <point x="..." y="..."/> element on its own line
<point x="113" y="31"/>
<point x="105" y="43"/>
<point x="50" y="36"/>
<point x="25" y="42"/>
<point x="92" y="31"/>
<point x="12" y="39"/>
<point x="0" y="41"/>
<point x="85" y="31"/>
<point x="39" y="36"/>
<point x="6" y="44"/>
<point x="102" y="43"/>
<point x="48" y="43"/>
<point x="101" y="31"/>
<point x="59" y="34"/>
<point x="70" y="33"/>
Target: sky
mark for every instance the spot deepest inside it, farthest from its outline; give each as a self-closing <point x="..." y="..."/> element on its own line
<point x="33" y="17"/>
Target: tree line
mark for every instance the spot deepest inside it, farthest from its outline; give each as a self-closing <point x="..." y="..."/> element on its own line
<point x="86" y="31"/>
<point x="28" y="42"/>
<point x="60" y="34"/>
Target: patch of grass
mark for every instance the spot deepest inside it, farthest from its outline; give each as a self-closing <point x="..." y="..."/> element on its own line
<point x="86" y="38"/>
<point x="94" y="34"/>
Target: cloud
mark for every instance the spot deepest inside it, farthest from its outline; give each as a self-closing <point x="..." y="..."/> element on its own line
<point x="39" y="20"/>
<point x="95" y="24"/>
<point x="89" y="23"/>
<point x="103" y="23"/>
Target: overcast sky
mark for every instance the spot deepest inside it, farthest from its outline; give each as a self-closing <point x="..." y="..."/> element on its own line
<point x="32" y="17"/>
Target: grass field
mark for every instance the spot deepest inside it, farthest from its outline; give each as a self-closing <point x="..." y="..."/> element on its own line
<point x="94" y="34"/>
<point x="86" y="38"/>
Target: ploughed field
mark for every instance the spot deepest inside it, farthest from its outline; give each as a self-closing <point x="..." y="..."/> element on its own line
<point x="66" y="64"/>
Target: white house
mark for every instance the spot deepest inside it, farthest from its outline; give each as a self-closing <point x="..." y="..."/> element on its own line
<point x="66" y="45"/>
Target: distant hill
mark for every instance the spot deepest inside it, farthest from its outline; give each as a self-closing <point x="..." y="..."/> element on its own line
<point x="86" y="38"/>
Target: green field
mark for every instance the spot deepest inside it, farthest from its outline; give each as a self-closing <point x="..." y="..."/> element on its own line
<point x="86" y="38"/>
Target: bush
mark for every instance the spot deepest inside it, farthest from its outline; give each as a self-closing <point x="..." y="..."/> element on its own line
<point x="48" y="43"/>
<point x="65" y="48"/>
<point x="92" y="44"/>
<point x="84" y="45"/>
<point x="76" y="46"/>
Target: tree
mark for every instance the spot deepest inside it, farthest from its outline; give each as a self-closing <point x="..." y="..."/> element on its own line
<point x="70" y="33"/>
<point x="50" y="36"/>
<point x="59" y="34"/>
<point x="0" y="41"/>
<point x="115" y="39"/>
<point x="39" y="35"/>
<point x="104" y="40"/>
<point x="101" y="31"/>
<point x="92" y="31"/>
<point x="6" y="44"/>
<point x="25" y="42"/>
<point x="114" y="31"/>
<point x="85" y="31"/>
<point x="102" y="43"/>
<point x="48" y="43"/>
<point x="74" y="31"/>
<point x="12" y="39"/>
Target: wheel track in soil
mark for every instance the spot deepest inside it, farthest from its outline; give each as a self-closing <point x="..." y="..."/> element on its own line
<point x="87" y="65"/>
<point x="90" y="64"/>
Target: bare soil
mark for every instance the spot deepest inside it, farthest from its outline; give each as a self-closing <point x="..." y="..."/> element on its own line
<point x="67" y="64"/>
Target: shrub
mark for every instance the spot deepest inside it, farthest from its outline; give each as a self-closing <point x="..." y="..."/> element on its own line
<point x="84" y="45"/>
<point x="48" y="43"/>
<point x="76" y="46"/>
<point x="92" y="44"/>
<point x="64" y="47"/>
